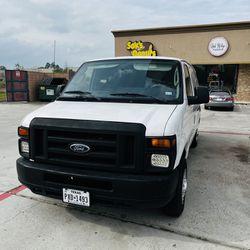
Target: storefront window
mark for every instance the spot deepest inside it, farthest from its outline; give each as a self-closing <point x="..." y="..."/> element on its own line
<point x="218" y="76"/>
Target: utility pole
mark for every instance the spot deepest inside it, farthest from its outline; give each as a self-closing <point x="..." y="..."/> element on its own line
<point x="54" y="54"/>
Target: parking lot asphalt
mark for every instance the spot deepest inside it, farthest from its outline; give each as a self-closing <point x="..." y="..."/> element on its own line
<point x="216" y="216"/>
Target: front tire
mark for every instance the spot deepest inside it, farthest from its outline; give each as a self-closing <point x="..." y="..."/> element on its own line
<point x="176" y="206"/>
<point x="195" y="141"/>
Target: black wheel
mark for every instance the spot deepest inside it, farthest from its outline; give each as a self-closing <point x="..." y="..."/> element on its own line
<point x="231" y="109"/>
<point x="195" y="141"/>
<point x="176" y="206"/>
<point x="205" y="107"/>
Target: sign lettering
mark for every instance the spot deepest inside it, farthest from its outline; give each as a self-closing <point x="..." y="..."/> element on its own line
<point x="139" y="48"/>
<point x="218" y="46"/>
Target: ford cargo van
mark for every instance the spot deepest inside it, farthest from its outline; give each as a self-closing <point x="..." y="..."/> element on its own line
<point x="120" y="132"/>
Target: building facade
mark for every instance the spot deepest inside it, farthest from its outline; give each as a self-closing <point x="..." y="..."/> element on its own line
<point x="219" y="52"/>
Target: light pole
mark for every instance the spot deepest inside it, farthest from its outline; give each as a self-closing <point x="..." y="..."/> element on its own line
<point x="54" y="54"/>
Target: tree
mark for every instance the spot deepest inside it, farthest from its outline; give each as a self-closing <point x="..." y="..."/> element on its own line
<point x="52" y="65"/>
<point x="18" y="66"/>
<point x="2" y="67"/>
<point x="47" y="65"/>
<point x="58" y="69"/>
<point x="55" y="67"/>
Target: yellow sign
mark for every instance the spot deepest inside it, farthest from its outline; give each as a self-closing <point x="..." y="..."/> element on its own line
<point x="139" y="48"/>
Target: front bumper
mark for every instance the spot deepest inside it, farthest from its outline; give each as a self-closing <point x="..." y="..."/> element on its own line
<point x="130" y="189"/>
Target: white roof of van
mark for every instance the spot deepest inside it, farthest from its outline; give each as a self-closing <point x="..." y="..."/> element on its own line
<point x="138" y="57"/>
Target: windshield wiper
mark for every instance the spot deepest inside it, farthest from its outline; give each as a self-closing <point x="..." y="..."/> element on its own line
<point x="77" y="92"/>
<point x="138" y="95"/>
<point x="128" y="94"/>
<point x="81" y="94"/>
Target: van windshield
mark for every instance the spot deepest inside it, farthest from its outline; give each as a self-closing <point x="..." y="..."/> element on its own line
<point x="127" y="80"/>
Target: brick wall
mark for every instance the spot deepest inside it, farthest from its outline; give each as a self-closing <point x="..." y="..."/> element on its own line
<point x="243" y="84"/>
<point x="34" y="80"/>
<point x="58" y="75"/>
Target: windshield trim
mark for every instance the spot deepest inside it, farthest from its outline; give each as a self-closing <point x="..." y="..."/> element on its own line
<point x="141" y="100"/>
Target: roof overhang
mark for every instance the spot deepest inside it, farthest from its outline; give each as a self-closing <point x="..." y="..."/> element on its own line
<point x="183" y="29"/>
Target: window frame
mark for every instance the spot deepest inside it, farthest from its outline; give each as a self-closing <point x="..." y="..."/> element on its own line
<point x="178" y="100"/>
<point x="186" y="69"/>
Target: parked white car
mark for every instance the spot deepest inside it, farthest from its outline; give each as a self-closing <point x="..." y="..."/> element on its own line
<point x="120" y="131"/>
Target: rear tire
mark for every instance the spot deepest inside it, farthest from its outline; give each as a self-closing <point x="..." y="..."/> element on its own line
<point x="176" y="205"/>
<point x="205" y="107"/>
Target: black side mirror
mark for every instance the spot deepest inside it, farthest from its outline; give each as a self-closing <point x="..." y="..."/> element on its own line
<point x="60" y="89"/>
<point x="201" y="96"/>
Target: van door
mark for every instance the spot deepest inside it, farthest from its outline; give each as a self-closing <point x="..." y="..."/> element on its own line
<point x="189" y="116"/>
<point x="197" y="107"/>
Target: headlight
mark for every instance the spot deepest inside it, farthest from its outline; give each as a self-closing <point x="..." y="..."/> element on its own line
<point x="160" y="153"/>
<point x="24" y="147"/>
<point x="158" y="160"/>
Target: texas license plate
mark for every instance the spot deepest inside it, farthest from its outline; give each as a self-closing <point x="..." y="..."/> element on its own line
<point x="76" y="197"/>
<point x="219" y="99"/>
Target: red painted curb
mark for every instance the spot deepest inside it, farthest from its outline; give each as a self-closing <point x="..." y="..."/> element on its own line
<point x="12" y="192"/>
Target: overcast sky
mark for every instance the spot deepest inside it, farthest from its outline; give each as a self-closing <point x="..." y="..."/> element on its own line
<point x="82" y="29"/>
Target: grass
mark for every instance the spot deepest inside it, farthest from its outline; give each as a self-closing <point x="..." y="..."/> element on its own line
<point x="2" y="84"/>
<point x="2" y="91"/>
<point x="2" y="96"/>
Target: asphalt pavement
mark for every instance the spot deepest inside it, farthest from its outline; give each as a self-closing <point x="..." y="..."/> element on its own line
<point x="216" y="216"/>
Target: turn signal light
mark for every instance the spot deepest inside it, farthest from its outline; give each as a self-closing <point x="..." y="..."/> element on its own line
<point x="163" y="142"/>
<point x="23" y="131"/>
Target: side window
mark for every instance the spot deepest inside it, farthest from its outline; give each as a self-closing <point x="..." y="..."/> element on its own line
<point x="189" y="89"/>
<point x="194" y="78"/>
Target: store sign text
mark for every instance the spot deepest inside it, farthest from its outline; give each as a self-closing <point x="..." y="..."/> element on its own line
<point x="139" y="48"/>
<point x="218" y="46"/>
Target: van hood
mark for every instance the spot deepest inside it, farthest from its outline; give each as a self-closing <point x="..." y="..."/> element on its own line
<point x="153" y="116"/>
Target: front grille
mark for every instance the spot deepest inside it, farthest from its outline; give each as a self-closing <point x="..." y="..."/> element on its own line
<point x="113" y="146"/>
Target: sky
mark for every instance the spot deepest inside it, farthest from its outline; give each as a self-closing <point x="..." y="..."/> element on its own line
<point x="82" y="29"/>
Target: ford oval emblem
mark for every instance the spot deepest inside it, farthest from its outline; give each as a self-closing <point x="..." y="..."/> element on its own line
<point x="79" y="148"/>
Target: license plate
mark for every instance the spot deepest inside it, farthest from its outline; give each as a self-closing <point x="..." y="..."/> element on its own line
<point x="76" y="197"/>
<point x="219" y="99"/>
<point x="50" y="91"/>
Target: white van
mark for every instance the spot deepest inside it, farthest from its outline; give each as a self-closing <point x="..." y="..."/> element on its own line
<point x="119" y="132"/>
